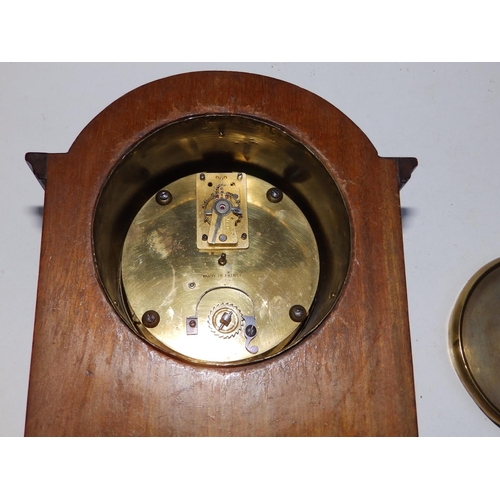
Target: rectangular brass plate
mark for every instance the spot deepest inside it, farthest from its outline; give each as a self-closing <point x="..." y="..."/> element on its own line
<point x="221" y="211"/>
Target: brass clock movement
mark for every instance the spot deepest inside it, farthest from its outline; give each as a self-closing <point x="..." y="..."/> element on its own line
<point x="221" y="255"/>
<point x="198" y="283"/>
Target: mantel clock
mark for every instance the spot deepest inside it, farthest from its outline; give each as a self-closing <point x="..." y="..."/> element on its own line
<point x="221" y="255"/>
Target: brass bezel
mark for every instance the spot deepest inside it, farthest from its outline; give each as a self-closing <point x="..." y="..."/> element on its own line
<point x="456" y="343"/>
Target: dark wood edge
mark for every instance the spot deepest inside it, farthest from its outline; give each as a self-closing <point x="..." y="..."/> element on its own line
<point x="406" y="166"/>
<point x="38" y="164"/>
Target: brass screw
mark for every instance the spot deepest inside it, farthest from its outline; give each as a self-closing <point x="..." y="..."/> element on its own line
<point x="297" y="313"/>
<point x="274" y="195"/>
<point x="251" y="331"/>
<point x="150" y="319"/>
<point x="163" y="197"/>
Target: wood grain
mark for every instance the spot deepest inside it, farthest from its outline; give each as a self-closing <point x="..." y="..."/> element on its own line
<point x="91" y="376"/>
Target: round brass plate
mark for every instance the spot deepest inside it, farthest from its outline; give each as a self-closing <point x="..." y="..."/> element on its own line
<point x="206" y="294"/>
<point x="475" y="338"/>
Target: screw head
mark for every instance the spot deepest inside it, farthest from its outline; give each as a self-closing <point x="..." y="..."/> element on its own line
<point x="222" y="207"/>
<point x="204" y="237"/>
<point x="150" y="319"/>
<point x="192" y="323"/>
<point x="297" y="313"/>
<point x="163" y="197"/>
<point x="251" y="331"/>
<point x="274" y="195"/>
<point x="222" y="259"/>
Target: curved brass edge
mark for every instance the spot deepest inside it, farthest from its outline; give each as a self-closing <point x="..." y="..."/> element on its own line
<point x="456" y="349"/>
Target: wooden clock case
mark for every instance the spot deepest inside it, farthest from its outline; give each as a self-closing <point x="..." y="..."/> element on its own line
<point x="91" y="376"/>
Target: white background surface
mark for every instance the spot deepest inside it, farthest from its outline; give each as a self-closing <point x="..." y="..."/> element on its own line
<point x="446" y="115"/>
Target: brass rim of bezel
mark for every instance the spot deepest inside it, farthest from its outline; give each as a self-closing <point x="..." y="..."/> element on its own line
<point x="456" y="347"/>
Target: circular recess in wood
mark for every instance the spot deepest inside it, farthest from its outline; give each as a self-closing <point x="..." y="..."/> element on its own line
<point x="222" y="224"/>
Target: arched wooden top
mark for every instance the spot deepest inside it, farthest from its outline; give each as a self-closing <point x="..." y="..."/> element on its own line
<point x="304" y="115"/>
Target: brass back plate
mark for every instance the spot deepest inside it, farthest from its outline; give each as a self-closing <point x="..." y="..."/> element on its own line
<point x="191" y="289"/>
